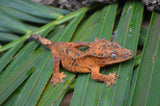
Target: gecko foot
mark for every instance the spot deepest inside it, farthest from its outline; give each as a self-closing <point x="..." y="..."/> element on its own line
<point x="111" y="79"/>
<point x="58" y="77"/>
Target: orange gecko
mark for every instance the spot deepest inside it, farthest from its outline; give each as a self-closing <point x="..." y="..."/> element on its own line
<point x="98" y="54"/>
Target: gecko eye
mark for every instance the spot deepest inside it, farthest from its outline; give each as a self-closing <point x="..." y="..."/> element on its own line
<point x="113" y="56"/>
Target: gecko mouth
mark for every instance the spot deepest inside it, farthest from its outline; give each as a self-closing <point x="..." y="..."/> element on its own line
<point x="127" y="56"/>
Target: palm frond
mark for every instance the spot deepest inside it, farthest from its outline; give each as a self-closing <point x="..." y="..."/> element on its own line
<point x="26" y="67"/>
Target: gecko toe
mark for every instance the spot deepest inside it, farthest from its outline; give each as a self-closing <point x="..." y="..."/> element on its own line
<point x="58" y="77"/>
<point x="108" y="84"/>
<point x="114" y="83"/>
<point x="116" y="76"/>
<point x="62" y="81"/>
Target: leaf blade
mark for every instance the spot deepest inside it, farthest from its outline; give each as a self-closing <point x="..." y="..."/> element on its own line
<point x="129" y="40"/>
<point x="147" y="66"/>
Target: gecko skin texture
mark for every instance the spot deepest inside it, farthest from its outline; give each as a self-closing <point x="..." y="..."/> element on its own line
<point x="99" y="54"/>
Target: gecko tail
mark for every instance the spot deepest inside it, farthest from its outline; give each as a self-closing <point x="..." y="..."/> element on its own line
<point x="40" y="39"/>
<point x="33" y="37"/>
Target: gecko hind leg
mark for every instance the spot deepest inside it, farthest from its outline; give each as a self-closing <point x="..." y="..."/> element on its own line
<point x="104" y="78"/>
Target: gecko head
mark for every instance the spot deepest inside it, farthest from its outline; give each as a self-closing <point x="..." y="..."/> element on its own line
<point x="116" y="53"/>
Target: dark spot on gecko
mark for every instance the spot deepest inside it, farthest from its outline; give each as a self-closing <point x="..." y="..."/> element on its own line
<point x="63" y="58"/>
<point x="100" y="45"/>
<point x="117" y="46"/>
<point x="104" y="46"/>
<point x="103" y="61"/>
<point x="66" y="51"/>
<point x="124" y="57"/>
<point x="78" y="42"/>
<point x="116" y="51"/>
<point x="99" y="48"/>
<point x="76" y="64"/>
<point x="101" y="55"/>
<point x="62" y="51"/>
<point x="73" y="62"/>
<point x="94" y="54"/>
<point x="127" y="53"/>
<point x="85" y="57"/>
<point x="76" y="53"/>
<point x="111" y="44"/>
<point x="108" y="45"/>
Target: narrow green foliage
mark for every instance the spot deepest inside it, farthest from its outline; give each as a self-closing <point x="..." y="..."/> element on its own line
<point x="16" y="71"/>
<point x="8" y="57"/>
<point x="23" y="16"/>
<point x="5" y="37"/>
<point x="147" y="83"/>
<point x="142" y="36"/>
<point x="45" y="27"/>
<point x="127" y="35"/>
<point x="32" y="8"/>
<point x="12" y="23"/>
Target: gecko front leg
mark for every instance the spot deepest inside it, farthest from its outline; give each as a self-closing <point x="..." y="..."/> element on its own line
<point x="104" y="78"/>
<point x="57" y="76"/>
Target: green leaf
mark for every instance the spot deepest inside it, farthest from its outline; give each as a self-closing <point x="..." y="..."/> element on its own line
<point x="147" y="84"/>
<point x="52" y="24"/>
<point x="137" y="60"/>
<point x="142" y="36"/>
<point x="16" y="72"/>
<point x="32" y="8"/>
<point x="23" y="16"/>
<point x="4" y="29"/>
<point x="133" y="84"/>
<point x="36" y="82"/>
<point x="127" y="35"/>
<point x="14" y="96"/>
<point x="8" y="57"/>
<point x="7" y="37"/>
<point x="12" y="23"/>
<point x="53" y="95"/>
